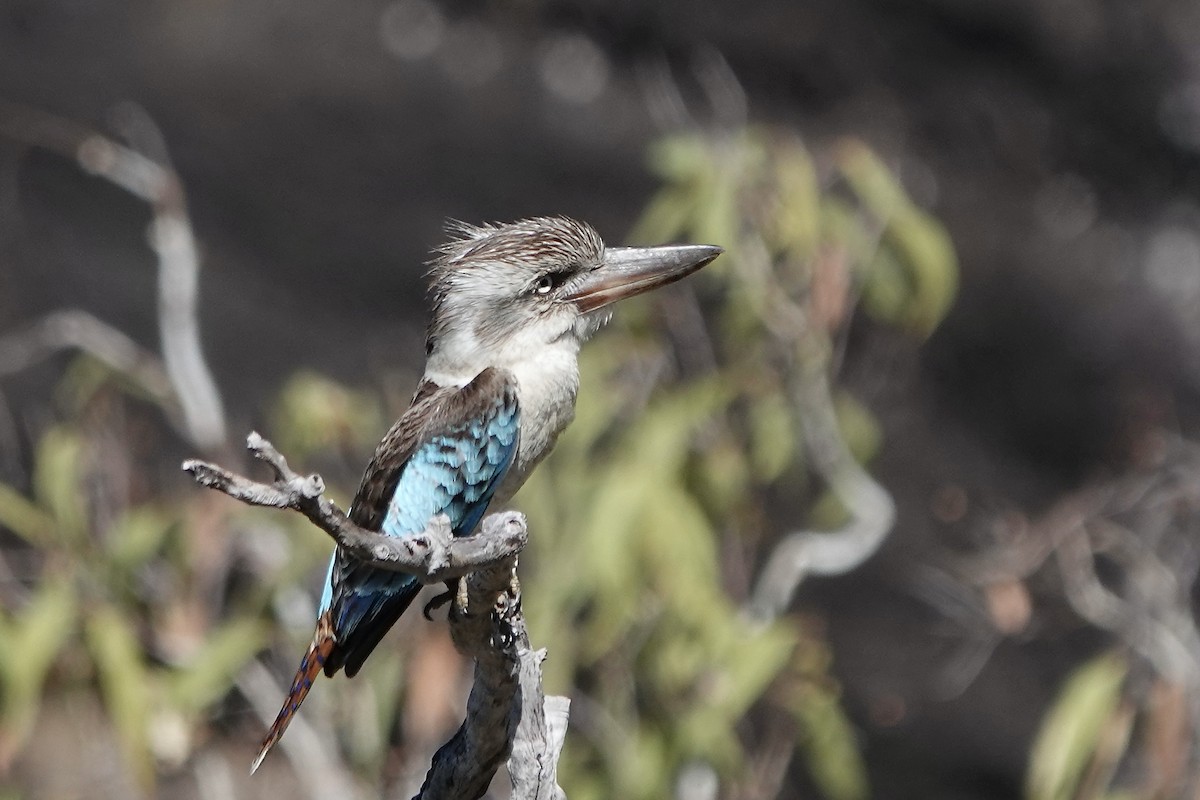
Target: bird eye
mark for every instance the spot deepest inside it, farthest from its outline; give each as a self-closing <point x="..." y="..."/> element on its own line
<point x="549" y="282"/>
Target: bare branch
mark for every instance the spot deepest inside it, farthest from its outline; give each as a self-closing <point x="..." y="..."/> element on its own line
<point x="482" y="626"/>
<point x="541" y="732"/>
<point x="1127" y="561"/>
<point x="79" y="330"/>
<point x="432" y="556"/>
<point x="508" y="715"/>
<point x="804" y="351"/>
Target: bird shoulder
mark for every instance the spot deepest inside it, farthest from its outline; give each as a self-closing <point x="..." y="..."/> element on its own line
<point x="434" y="411"/>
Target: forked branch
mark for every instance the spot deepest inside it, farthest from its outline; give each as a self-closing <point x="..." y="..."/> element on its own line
<point x="508" y="715"/>
<point x="432" y="556"/>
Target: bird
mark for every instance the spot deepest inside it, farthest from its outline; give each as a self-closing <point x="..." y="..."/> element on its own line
<point x="511" y="305"/>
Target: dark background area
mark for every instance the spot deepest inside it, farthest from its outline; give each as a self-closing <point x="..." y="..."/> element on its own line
<point x="1058" y="141"/>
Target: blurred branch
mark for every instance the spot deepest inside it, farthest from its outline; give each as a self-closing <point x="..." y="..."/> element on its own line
<point x="171" y="238"/>
<point x="871" y="507"/>
<point x="508" y="714"/>
<point x="310" y="754"/>
<point x="780" y="278"/>
<point x="1143" y="526"/>
<point x="1128" y="560"/>
<point x="1149" y="611"/>
<point x="74" y="328"/>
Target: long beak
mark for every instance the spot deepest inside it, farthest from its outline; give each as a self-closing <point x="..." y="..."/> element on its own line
<point x="629" y="271"/>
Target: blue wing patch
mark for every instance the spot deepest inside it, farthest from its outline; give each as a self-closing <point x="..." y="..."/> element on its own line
<point x="455" y="472"/>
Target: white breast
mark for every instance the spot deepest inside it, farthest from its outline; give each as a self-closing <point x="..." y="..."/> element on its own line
<point x="546" y="388"/>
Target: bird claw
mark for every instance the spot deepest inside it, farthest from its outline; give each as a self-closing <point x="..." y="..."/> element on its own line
<point x="437" y="602"/>
<point x="504" y="637"/>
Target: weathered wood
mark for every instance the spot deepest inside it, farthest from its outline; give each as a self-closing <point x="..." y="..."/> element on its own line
<point x="508" y="717"/>
<point x="433" y="556"/>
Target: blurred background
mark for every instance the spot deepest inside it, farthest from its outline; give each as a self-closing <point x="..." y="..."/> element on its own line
<point x="899" y="498"/>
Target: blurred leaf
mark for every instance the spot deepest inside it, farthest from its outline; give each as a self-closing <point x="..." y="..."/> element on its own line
<point x="828" y="512"/>
<point x="125" y="685"/>
<point x="680" y="159"/>
<point x="610" y="557"/>
<point x="725" y="475"/>
<point x="662" y="436"/>
<point x="24" y="518"/>
<point x="671" y="661"/>
<point x="33" y="639"/>
<point x="829" y="746"/>
<point x="135" y="537"/>
<point x="56" y="483"/>
<point x="1072" y="728"/>
<point x="773" y="436"/>
<point x="757" y="659"/>
<point x="859" y="427"/>
<point x="687" y="558"/>
<point x="664" y="219"/>
<point x="315" y="413"/>
<point x="708" y="734"/>
<point x="598" y="406"/>
<point x="84" y="377"/>
<point x="642" y="765"/>
<point x="210" y="672"/>
<point x="932" y="267"/>
<point x="923" y="257"/>
<point x="887" y="294"/>
<point x="797" y="225"/>
<point x="717" y="218"/>
<point x="875" y="184"/>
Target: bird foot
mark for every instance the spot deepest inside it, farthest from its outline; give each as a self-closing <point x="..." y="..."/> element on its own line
<point x="436" y="603"/>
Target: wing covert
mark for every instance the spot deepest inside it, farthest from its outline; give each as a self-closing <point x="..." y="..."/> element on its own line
<point x="446" y="455"/>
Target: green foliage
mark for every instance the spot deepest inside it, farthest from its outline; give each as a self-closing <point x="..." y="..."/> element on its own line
<point x="124" y="685"/>
<point x="86" y="611"/>
<point x="1073" y="729"/>
<point x="314" y="414"/>
<point x="57" y="485"/>
<point x="206" y="675"/>
<point x="913" y="275"/>
<point x="643" y="499"/>
<point x="34" y="635"/>
<point x="648" y="519"/>
<point x="828" y="747"/>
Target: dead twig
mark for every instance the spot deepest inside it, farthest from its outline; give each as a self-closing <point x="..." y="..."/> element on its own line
<point x="432" y="556"/>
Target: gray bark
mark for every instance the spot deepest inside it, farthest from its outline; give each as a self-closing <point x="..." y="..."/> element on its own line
<point x="508" y="716"/>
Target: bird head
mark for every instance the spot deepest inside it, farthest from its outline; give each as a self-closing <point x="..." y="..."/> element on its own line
<point x="507" y="292"/>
